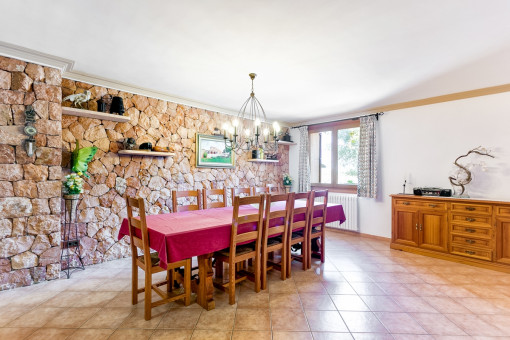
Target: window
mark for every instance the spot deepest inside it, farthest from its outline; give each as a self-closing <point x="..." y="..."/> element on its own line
<point x="334" y="155"/>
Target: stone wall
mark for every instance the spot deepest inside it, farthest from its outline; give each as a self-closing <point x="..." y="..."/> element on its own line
<point x="113" y="177"/>
<point x="30" y="187"/>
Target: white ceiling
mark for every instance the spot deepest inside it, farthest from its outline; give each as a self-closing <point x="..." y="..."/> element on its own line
<point x="313" y="58"/>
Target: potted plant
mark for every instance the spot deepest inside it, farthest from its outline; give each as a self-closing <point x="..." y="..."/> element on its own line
<point x="287" y="182"/>
<point x="72" y="188"/>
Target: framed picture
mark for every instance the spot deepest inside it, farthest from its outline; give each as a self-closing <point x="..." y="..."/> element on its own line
<point x="212" y="152"/>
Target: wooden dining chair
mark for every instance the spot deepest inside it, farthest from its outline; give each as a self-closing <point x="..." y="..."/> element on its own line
<point x="273" y="188"/>
<point x="274" y="235"/>
<point x="241" y="192"/>
<point x="186" y="193"/>
<point x="245" y="228"/>
<point x="214" y="192"/>
<point x="260" y="190"/>
<point x="298" y="229"/>
<point x="149" y="263"/>
<point x="317" y="227"/>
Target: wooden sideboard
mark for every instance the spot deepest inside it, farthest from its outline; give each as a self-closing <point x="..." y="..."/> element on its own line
<point x="470" y="231"/>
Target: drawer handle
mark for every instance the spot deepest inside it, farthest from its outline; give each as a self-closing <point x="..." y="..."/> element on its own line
<point x="470" y="241"/>
<point x="469" y="230"/>
<point x="471" y="208"/>
<point x="470" y="252"/>
<point x="469" y="219"/>
<point x="406" y="203"/>
<point x="433" y="205"/>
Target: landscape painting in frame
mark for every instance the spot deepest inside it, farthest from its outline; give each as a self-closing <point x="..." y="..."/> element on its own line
<point x="213" y="153"/>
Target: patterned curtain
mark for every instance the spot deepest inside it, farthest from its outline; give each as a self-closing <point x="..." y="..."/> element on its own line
<point x="367" y="158"/>
<point x="304" y="161"/>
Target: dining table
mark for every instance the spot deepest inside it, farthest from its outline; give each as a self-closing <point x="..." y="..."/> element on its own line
<point x="186" y="234"/>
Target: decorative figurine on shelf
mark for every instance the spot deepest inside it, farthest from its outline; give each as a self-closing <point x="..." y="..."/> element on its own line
<point x="80" y="158"/>
<point x="286" y="136"/>
<point x="287" y="182"/>
<point x="78" y="99"/>
<point x="129" y="143"/>
<point x="30" y="130"/>
<point x="462" y="176"/>
<point x="117" y="106"/>
<point x="145" y="146"/>
<point x="101" y="105"/>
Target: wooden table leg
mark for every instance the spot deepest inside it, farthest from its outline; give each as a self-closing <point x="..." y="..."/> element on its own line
<point x="205" y="286"/>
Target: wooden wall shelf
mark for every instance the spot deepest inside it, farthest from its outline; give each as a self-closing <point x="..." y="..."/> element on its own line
<point x="263" y="160"/>
<point x="145" y="153"/>
<point x="282" y="142"/>
<point x="72" y="111"/>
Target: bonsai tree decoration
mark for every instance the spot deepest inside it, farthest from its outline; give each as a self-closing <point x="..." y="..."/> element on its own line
<point x="462" y="176"/>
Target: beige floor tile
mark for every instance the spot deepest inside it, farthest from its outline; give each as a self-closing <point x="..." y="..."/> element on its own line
<point x="255" y="300"/>
<point x="331" y="336"/>
<point x="500" y="321"/>
<point x="91" y="334"/>
<point x="367" y="288"/>
<point x="372" y="336"/>
<point x="282" y="300"/>
<point x="349" y="303"/>
<point x="314" y="301"/>
<point x="437" y="324"/>
<point x="279" y="335"/>
<point x="13" y="333"/>
<point x="108" y="318"/>
<point x="400" y="323"/>
<point x="412" y="337"/>
<point x="137" y="318"/>
<point x="325" y="321"/>
<point x="414" y="304"/>
<point x="72" y="318"/>
<point x="446" y="305"/>
<point x="288" y="320"/>
<point x="201" y="334"/>
<point x="9" y="313"/>
<point x="37" y="317"/>
<point x="217" y="319"/>
<point x="251" y="335"/>
<point x="479" y="306"/>
<point x="174" y="334"/>
<point x="181" y="318"/>
<point x="473" y="325"/>
<point x="131" y="334"/>
<point x="51" y="333"/>
<point x="362" y="322"/>
<point x="287" y="286"/>
<point x="335" y="287"/>
<point x="332" y="276"/>
<point x="252" y="319"/>
<point x="378" y="303"/>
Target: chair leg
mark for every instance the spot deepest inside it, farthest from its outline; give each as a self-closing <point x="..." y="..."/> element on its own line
<point x="283" y="264"/>
<point x="263" y="270"/>
<point x="187" y="283"/>
<point x="323" y="246"/>
<point x="232" y="283"/>
<point x="289" y="260"/>
<point x="257" y="270"/>
<point x="170" y="280"/>
<point x="134" y="282"/>
<point x="148" y="294"/>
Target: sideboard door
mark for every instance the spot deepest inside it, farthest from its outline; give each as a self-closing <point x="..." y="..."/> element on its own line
<point x="405" y="227"/>
<point x="433" y="231"/>
<point x="503" y="240"/>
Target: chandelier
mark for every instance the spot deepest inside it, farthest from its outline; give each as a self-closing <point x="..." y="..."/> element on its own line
<point x="241" y="134"/>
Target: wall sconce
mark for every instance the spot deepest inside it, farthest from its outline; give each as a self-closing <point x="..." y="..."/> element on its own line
<point x="30" y="131"/>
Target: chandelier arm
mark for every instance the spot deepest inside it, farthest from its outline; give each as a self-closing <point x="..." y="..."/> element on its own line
<point x="261" y="108"/>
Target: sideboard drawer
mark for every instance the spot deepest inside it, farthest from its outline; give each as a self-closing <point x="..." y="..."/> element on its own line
<point x="462" y="241"/>
<point x="482" y="254"/>
<point x="468" y="230"/>
<point x="421" y="204"/>
<point x="472" y="208"/>
<point x="502" y="210"/>
<point x="471" y="219"/>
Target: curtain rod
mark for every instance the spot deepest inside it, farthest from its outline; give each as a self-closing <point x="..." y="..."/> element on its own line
<point x="341" y="120"/>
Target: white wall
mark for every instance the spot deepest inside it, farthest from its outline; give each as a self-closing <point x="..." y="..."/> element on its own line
<point x="294" y="158"/>
<point x="420" y="145"/>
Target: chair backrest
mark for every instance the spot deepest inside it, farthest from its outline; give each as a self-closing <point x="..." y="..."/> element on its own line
<point x="215" y="192"/>
<point x="240" y="191"/>
<point x="318" y="211"/>
<point x="140" y="239"/>
<point x="186" y="193"/>
<point x="276" y="220"/>
<point x="300" y="216"/>
<point x="256" y="219"/>
<point x="260" y="190"/>
<point x="273" y="188"/>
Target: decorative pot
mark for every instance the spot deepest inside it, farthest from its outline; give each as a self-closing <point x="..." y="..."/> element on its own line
<point x="287" y="188"/>
<point x="71" y="205"/>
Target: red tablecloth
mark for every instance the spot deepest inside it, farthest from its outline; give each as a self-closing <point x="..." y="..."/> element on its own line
<point x="182" y="235"/>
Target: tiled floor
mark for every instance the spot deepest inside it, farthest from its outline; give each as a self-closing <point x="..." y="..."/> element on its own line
<point x="363" y="291"/>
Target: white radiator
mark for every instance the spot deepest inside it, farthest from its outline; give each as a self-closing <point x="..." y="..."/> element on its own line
<point x="349" y="203"/>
